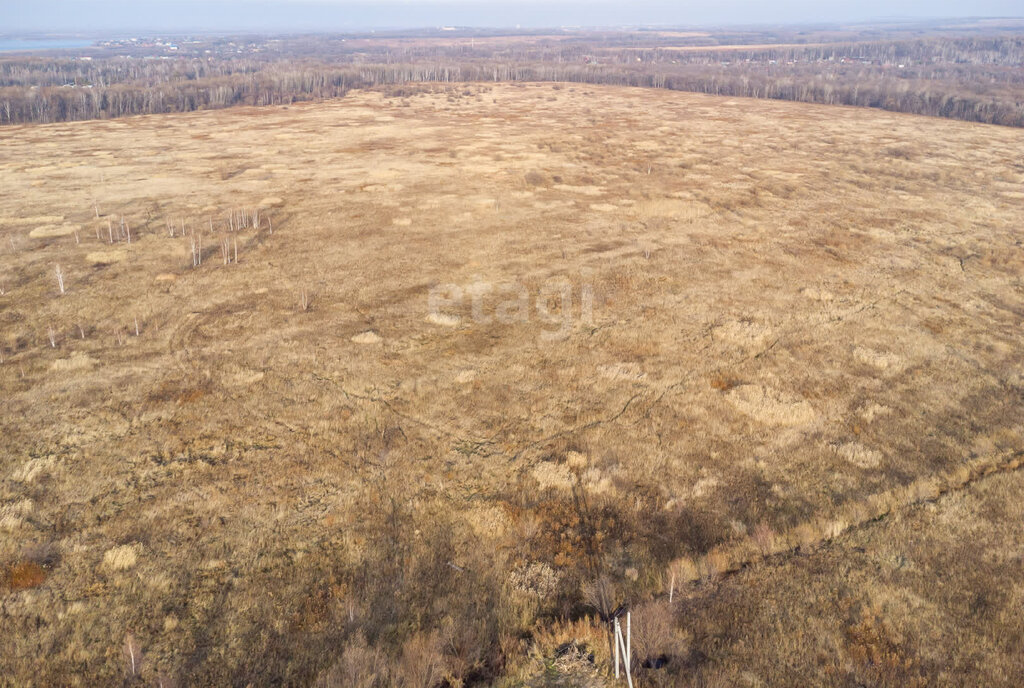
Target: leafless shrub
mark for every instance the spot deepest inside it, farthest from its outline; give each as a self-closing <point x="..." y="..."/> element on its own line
<point x="601" y="595"/>
<point x="304" y="300"/>
<point x="806" y="536"/>
<point x="764" y="538"/>
<point x="653" y="631"/>
<point x="534" y="178"/>
<point x="360" y="666"/>
<point x="52" y="336"/>
<point x="422" y="662"/>
<point x="60" y="278"/>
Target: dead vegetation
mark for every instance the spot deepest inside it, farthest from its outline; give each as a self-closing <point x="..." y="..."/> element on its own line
<point x="268" y="464"/>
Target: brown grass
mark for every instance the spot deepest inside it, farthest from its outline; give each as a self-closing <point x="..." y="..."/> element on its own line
<point x="360" y="494"/>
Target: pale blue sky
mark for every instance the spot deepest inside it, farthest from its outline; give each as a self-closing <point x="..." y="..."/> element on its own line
<point x="19" y="16"/>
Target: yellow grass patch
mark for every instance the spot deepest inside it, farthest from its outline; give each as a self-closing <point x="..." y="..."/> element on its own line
<point x="108" y="257"/>
<point x="50" y="231"/>
<point x="121" y="558"/>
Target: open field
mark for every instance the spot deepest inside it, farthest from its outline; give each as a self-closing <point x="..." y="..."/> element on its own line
<point x="743" y="332"/>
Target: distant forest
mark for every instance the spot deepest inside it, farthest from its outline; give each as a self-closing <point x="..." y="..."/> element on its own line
<point x="976" y="78"/>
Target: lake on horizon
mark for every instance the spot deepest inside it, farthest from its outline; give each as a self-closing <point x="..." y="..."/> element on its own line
<point x="8" y="45"/>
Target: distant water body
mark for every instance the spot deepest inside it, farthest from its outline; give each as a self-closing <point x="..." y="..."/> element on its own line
<point x="8" y="45"/>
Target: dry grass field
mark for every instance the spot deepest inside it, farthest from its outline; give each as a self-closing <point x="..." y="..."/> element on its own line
<point x="763" y="356"/>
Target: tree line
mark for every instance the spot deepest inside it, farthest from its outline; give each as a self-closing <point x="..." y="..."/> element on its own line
<point x="974" y="79"/>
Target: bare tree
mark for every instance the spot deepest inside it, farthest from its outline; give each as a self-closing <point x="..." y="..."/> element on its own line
<point x="132" y="655"/>
<point x="60" y="278"/>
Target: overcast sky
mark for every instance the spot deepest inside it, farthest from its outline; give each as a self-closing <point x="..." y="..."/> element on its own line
<point x="21" y="16"/>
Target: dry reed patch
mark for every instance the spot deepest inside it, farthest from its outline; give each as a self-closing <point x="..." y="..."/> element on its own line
<point x="859" y="455"/>
<point x="51" y="231"/>
<point x="121" y="558"/>
<point x="748" y="335"/>
<point x="884" y="361"/>
<point x="368" y="337"/>
<point x="107" y="257"/>
<point x="444" y="320"/>
<point x="42" y="220"/>
<point x="549" y="474"/>
<point x="771" y="406"/>
<point x="77" y="361"/>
